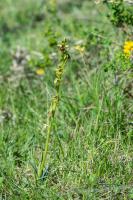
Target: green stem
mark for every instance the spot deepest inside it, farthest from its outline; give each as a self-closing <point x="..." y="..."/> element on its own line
<point x="54" y="105"/>
<point x="44" y="153"/>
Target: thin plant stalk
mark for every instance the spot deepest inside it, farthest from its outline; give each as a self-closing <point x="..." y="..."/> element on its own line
<point x="54" y="104"/>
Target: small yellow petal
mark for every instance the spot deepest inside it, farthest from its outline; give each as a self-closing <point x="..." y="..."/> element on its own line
<point x="128" y="47"/>
<point x="40" y="71"/>
<point x="79" y="48"/>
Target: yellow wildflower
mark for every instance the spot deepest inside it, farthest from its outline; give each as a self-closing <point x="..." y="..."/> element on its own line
<point x="40" y="71"/>
<point x="79" y="48"/>
<point x="128" y="48"/>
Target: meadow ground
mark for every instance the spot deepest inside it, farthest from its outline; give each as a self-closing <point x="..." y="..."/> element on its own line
<point x="90" y="153"/>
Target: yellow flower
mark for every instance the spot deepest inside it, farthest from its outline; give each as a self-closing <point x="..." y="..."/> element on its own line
<point x="128" y="48"/>
<point x="79" y="48"/>
<point x="40" y="72"/>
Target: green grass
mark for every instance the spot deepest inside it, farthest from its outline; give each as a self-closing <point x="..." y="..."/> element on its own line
<point x="93" y="120"/>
